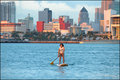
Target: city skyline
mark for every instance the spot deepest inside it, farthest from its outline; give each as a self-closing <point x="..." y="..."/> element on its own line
<point x="70" y="9"/>
<point x="63" y="8"/>
<point x="59" y="17"/>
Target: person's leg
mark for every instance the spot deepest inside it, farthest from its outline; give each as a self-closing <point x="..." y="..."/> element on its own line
<point x="60" y="59"/>
<point x="63" y="57"/>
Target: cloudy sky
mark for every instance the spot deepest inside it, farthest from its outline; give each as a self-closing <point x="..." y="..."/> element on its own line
<point x="70" y="8"/>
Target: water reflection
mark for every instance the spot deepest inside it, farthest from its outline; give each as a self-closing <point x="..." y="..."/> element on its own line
<point x="61" y="69"/>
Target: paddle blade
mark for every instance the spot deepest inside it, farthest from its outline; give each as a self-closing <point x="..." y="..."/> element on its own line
<point x="52" y="63"/>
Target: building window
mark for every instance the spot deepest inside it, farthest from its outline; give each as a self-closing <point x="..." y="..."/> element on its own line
<point x="116" y="21"/>
<point x="107" y="22"/>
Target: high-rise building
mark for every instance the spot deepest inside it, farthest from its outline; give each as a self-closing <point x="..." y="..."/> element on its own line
<point x="107" y="19"/>
<point x="97" y="15"/>
<point x="115" y="6"/>
<point x="99" y="12"/>
<point x="96" y="24"/>
<point x="105" y="5"/>
<point x="8" y="11"/>
<point x="28" y="21"/>
<point x="45" y="15"/>
<point x="83" y="16"/>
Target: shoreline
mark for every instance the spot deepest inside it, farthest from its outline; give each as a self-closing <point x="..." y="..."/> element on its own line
<point x="77" y="42"/>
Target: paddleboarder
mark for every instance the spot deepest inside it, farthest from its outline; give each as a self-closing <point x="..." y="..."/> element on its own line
<point x="61" y="52"/>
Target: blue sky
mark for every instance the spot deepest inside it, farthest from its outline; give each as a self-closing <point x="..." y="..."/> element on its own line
<point x="70" y="8"/>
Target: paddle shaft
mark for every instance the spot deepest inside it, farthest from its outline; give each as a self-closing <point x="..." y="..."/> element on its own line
<point x="55" y="59"/>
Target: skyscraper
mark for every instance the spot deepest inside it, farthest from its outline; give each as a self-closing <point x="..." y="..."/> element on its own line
<point x="99" y="12"/>
<point x="28" y="21"/>
<point x="45" y="15"/>
<point x="105" y="5"/>
<point x="83" y="16"/>
<point x="115" y="6"/>
<point x="8" y="11"/>
<point x="97" y="15"/>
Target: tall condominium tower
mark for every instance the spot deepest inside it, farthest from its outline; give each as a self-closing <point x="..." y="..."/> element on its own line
<point x="105" y="5"/>
<point x="99" y="12"/>
<point x="115" y="6"/>
<point x="8" y="11"/>
<point x="97" y="15"/>
<point x="83" y="16"/>
<point x="45" y="15"/>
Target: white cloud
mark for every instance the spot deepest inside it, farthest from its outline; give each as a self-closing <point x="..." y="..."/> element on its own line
<point x="29" y="5"/>
<point x="56" y="6"/>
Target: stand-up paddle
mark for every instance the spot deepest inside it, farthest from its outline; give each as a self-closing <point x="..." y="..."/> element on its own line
<point x="53" y="61"/>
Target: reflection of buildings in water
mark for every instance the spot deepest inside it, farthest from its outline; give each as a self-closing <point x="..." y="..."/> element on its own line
<point x="61" y="69"/>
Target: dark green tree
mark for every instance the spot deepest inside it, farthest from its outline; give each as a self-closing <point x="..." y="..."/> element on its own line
<point x="15" y="35"/>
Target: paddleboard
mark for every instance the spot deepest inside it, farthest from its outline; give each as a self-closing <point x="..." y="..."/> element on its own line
<point x="62" y="64"/>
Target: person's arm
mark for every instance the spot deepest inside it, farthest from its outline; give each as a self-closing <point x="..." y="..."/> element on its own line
<point x="58" y="52"/>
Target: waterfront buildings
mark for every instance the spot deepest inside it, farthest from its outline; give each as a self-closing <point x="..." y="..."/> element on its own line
<point x="64" y="22"/>
<point x="74" y="29"/>
<point x="28" y="21"/>
<point x="48" y="26"/>
<point x="40" y="26"/>
<point x="54" y="31"/>
<point x="83" y="16"/>
<point x="99" y="12"/>
<point x="101" y="26"/>
<point x="8" y="11"/>
<point x="64" y="32"/>
<point x="84" y="26"/>
<point x="56" y="26"/>
<point x="115" y="26"/>
<point x="95" y="26"/>
<point x="107" y="19"/>
<point x="45" y="15"/>
<point x="21" y="28"/>
<point x="110" y="26"/>
<point x="7" y="28"/>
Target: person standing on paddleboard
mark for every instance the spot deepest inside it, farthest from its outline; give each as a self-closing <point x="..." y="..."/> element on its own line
<point x="61" y="52"/>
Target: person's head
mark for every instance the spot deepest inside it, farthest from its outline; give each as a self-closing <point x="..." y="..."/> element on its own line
<point x="61" y="45"/>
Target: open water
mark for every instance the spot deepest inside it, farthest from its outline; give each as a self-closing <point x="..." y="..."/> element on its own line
<point x="85" y="61"/>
